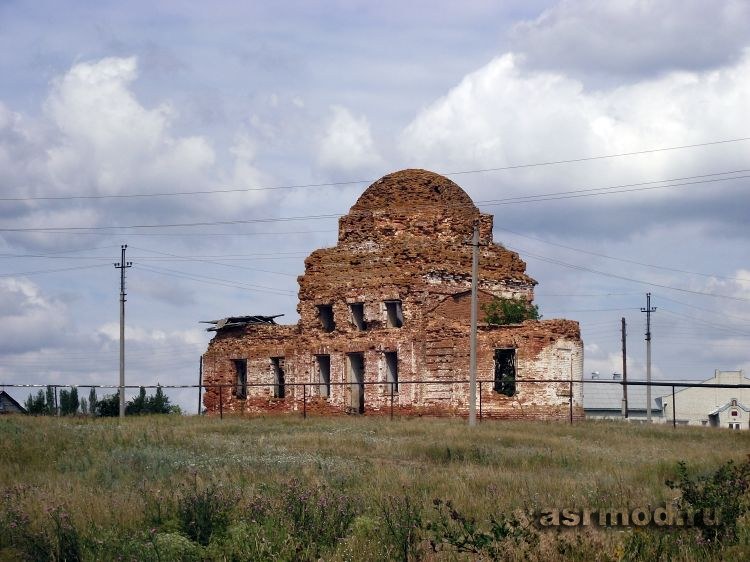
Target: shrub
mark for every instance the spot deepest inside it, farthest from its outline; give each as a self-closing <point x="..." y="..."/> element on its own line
<point x="403" y="526"/>
<point x="318" y="516"/>
<point x="205" y="513"/>
<point x="725" y="493"/>
<point x="503" y="311"/>
<point x="452" y="530"/>
<point x="109" y="406"/>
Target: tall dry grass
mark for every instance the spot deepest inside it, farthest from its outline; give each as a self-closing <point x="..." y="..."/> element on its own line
<point x="120" y="484"/>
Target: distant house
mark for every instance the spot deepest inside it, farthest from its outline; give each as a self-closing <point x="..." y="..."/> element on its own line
<point x="714" y="407"/>
<point x="603" y="399"/>
<point x="8" y="405"/>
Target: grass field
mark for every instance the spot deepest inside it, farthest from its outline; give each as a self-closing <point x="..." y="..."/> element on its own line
<point x="282" y="488"/>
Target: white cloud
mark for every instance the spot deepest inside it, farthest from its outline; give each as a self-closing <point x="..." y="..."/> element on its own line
<point x="347" y="144"/>
<point x="634" y="37"/>
<point x="110" y="142"/>
<point x="504" y="114"/>
<point x="29" y="320"/>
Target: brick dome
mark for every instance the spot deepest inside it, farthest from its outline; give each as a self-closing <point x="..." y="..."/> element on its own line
<point x="408" y="190"/>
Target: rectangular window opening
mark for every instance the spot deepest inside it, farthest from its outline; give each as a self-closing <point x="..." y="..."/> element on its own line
<point x="356" y="367"/>
<point x="323" y="363"/>
<point x="505" y="372"/>
<point x="391" y="369"/>
<point x="358" y="315"/>
<point x="279" y="382"/>
<point x="394" y="314"/>
<point x="240" y="378"/>
<point x="325" y="314"/>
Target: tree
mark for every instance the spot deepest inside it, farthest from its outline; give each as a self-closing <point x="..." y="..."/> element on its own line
<point x="74" y="401"/>
<point x="502" y="311"/>
<point x="69" y="402"/>
<point x="36" y="405"/>
<point x="109" y="406"/>
<point x="93" y="401"/>
<point x="137" y="405"/>
<point x="50" y="401"/>
<point x="159" y="403"/>
<point x="64" y="402"/>
<point x="84" y="407"/>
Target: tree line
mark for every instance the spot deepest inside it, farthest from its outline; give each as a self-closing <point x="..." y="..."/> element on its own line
<point x="45" y="403"/>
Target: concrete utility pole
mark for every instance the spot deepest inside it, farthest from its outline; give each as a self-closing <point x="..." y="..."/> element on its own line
<point x="624" y="372"/>
<point x="473" y="353"/>
<point x="122" y="266"/>
<point x="648" y="310"/>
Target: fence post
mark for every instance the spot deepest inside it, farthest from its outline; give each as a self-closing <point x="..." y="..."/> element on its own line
<point x="480" y="400"/>
<point x="570" y="385"/>
<point x="304" y="401"/>
<point x="674" y="412"/>
<point x="221" y="401"/>
<point x="391" y="400"/>
<point x="200" y="383"/>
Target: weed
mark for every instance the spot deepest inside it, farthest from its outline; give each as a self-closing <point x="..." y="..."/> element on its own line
<point x="318" y="515"/>
<point x="452" y="530"/>
<point x="403" y="525"/>
<point x="718" y="500"/>
<point x="204" y="513"/>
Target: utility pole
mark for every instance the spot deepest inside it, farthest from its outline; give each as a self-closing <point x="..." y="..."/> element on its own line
<point x="648" y="310"/>
<point x="122" y="266"/>
<point x="624" y="372"/>
<point x="473" y="353"/>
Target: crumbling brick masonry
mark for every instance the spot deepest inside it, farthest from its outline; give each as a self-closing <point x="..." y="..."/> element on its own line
<point x="390" y="304"/>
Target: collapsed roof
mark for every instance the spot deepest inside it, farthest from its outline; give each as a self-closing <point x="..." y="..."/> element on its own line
<point x="239" y="322"/>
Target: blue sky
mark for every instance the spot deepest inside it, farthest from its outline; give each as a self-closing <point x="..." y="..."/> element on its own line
<point x="106" y="98"/>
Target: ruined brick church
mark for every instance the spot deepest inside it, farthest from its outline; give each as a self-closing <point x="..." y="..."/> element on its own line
<point x="385" y="318"/>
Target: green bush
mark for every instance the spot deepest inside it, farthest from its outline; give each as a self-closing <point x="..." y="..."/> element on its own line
<point x="205" y="513"/>
<point x="502" y="311"/>
<point x="725" y="493"/>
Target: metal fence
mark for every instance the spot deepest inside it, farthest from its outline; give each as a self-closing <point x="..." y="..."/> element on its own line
<point x="308" y="394"/>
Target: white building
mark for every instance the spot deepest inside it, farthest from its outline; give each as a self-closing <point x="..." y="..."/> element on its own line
<point x="714" y="407"/>
<point x="603" y="399"/>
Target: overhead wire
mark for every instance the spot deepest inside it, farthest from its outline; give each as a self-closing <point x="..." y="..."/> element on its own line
<point x="113" y="228"/>
<point x="357" y="182"/>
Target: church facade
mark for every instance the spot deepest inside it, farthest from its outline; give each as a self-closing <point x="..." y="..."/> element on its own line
<point x="385" y="322"/>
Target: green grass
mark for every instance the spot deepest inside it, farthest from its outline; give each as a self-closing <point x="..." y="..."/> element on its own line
<point x="121" y="486"/>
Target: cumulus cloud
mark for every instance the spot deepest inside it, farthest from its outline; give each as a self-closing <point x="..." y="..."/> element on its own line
<point x="347" y="144"/>
<point x="505" y="114"/>
<point x="110" y="139"/>
<point x="634" y="37"/>
<point x="29" y="320"/>
<point x="97" y="138"/>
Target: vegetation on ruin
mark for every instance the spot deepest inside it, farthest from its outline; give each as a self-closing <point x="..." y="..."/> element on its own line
<point x="282" y="488"/>
<point x="501" y="311"/>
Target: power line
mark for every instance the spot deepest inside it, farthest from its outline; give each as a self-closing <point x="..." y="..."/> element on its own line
<point x="576" y="194"/>
<point x="624" y="260"/>
<point x="41" y="271"/>
<point x="355" y="182"/>
<point x="564" y="195"/>
<point x="214" y="281"/>
<point x="624" y="278"/>
<point x="219" y="263"/>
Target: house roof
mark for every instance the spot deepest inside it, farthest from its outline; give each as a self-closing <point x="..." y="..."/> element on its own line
<point x="603" y="394"/>
<point x="5" y="396"/>
<point x="726" y="406"/>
